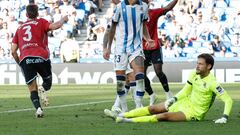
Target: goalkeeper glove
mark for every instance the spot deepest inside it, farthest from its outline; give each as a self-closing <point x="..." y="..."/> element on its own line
<point x="222" y="120"/>
<point x="169" y="102"/>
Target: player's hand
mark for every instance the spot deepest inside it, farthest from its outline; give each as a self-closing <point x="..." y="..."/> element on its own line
<point x="150" y="43"/>
<point x="222" y="120"/>
<point x="106" y="53"/>
<point x="169" y="102"/>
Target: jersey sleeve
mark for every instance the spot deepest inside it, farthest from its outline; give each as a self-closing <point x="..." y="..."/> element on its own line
<point x="158" y="12"/>
<point x="116" y="13"/>
<point x="187" y="87"/>
<point x="223" y="95"/>
<point x="45" y="24"/>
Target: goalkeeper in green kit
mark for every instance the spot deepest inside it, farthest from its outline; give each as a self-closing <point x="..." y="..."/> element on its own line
<point x="190" y="104"/>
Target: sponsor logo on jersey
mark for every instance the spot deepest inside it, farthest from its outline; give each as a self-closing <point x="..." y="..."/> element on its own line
<point x="220" y="89"/>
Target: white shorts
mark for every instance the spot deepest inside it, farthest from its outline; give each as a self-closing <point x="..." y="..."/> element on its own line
<point x="123" y="60"/>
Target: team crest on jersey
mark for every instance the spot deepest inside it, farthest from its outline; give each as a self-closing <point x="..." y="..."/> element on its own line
<point x="220" y="89"/>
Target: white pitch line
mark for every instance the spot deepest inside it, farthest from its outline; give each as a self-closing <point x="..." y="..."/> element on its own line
<point x="57" y="106"/>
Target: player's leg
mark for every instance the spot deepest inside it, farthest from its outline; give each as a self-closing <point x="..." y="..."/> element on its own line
<point x="32" y="86"/>
<point x="167" y="116"/>
<point x="137" y="64"/>
<point x="157" y="61"/>
<point x="144" y="111"/>
<point x="148" y="88"/>
<point x="132" y="83"/>
<point x="45" y="70"/>
<point x="117" y="106"/>
<point x="139" y="112"/>
<point x="121" y="62"/>
<point x="163" y="79"/>
<point x="156" y="113"/>
<point x="121" y="79"/>
<point x="30" y="75"/>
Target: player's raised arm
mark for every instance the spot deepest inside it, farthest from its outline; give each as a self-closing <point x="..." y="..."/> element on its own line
<point x="170" y="6"/>
<point x="59" y="23"/>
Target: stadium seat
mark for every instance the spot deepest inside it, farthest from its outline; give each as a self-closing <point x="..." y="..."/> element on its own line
<point x="221" y="4"/>
<point x="189" y="51"/>
<point x="202" y="50"/>
<point x="235" y="3"/>
<point x="196" y="44"/>
<point x="229" y="54"/>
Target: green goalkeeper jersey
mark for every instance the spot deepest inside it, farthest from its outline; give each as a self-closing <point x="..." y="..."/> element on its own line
<point x="202" y="91"/>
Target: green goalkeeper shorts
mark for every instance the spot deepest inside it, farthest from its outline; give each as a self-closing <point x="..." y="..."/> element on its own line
<point x="184" y="106"/>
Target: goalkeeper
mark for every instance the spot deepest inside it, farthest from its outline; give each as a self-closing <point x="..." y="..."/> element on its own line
<point x="190" y="104"/>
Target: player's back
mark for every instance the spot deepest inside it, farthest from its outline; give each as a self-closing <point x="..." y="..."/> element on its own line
<point x="129" y="29"/>
<point x="32" y="39"/>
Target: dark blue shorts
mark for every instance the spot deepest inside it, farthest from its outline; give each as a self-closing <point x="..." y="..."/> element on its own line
<point x="31" y="66"/>
<point x="153" y="57"/>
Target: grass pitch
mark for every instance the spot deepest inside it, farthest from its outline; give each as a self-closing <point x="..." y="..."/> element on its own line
<point x="78" y="110"/>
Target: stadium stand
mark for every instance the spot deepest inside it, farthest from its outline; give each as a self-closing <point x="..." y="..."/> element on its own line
<point x="194" y="29"/>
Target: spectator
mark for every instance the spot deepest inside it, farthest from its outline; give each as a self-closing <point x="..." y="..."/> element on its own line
<point x="93" y="21"/>
<point x="5" y="38"/>
<point x="99" y="31"/>
<point x="69" y="50"/>
<point x="218" y="47"/>
<point x="236" y="40"/>
<point x="178" y="41"/>
<point x="1" y="23"/>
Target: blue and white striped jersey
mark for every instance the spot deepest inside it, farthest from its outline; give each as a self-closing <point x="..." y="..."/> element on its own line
<point x="129" y="19"/>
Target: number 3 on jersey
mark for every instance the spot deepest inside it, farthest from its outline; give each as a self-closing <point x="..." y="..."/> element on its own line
<point x="28" y="33"/>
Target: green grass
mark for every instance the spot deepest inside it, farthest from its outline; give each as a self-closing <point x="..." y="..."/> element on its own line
<point x="90" y="120"/>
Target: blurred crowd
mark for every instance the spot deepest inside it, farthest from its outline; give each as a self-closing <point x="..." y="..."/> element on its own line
<point x="197" y="26"/>
<point x="193" y="27"/>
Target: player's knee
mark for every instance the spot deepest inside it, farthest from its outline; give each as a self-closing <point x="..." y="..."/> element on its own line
<point x="47" y="84"/>
<point x="164" y="116"/>
<point x="160" y="74"/>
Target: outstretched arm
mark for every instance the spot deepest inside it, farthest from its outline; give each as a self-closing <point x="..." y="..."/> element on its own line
<point x="59" y="23"/>
<point x="170" y="6"/>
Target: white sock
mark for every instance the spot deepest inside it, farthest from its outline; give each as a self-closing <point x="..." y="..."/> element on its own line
<point x="116" y="103"/>
<point x="152" y="99"/>
<point x="138" y="101"/>
<point x="123" y="102"/>
<point x="139" y="92"/>
<point x="168" y="94"/>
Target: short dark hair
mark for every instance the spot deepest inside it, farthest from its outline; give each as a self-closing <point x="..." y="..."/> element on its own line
<point x="32" y="11"/>
<point x="208" y="58"/>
